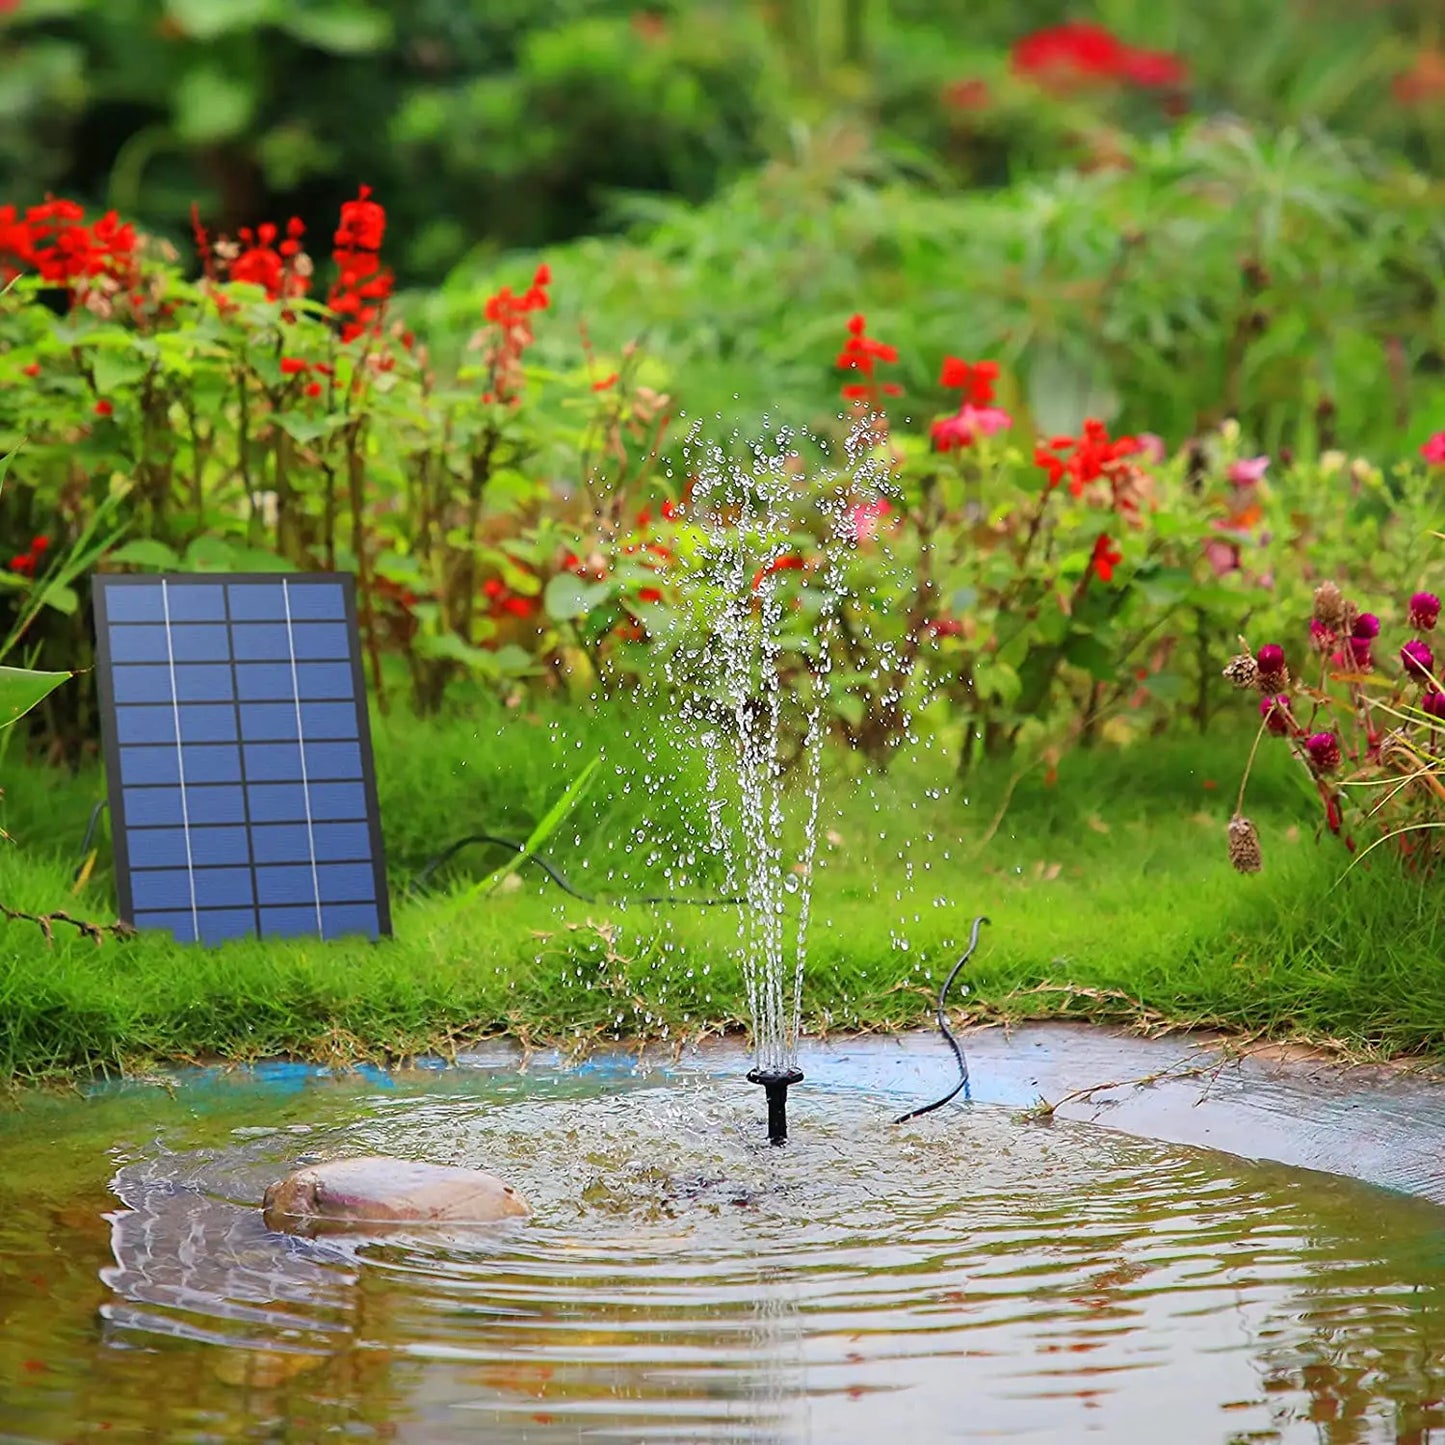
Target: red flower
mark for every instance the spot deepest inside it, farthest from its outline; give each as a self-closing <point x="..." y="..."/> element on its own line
<point x="1065" y="57"/>
<point x="650" y="594"/>
<point x="1085" y="458"/>
<point x="789" y="563"/>
<point x="670" y="510"/>
<point x="104" y="408"/>
<point x="861" y="353"/>
<point x="954" y="432"/>
<point x="974" y="378"/>
<point x="293" y="366"/>
<point x="511" y="315"/>
<point x="1105" y="558"/>
<point x="519" y="606"/>
<point x="494" y="587"/>
<point x="1423" y="82"/>
<point x="313" y="389"/>
<point x="363" y="285"/>
<point x="33" y="369"/>
<point x="40" y="544"/>
<point x="967" y="95"/>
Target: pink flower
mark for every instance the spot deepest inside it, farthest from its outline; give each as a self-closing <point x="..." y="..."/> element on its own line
<point x="867" y="516"/>
<point x="1276" y="714"/>
<point x="1417" y="658"/>
<point x="970" y="423"/>
<point x="1223" y="557"/>
<point x="1434" y="450"/>
<point x="1433" y="705"/>
<point x="1247" y="471"/>
<point x="1424" y="608"/>
<point x="1151" y="447"/>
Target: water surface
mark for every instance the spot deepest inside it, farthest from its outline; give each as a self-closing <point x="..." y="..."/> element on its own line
<point x="969" y="1277"/>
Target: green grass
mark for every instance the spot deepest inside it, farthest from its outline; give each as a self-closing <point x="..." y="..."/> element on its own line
<point x="1109" y="891"/>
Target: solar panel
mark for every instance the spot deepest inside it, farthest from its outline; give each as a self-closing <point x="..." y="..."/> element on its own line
<point x="238" y="752"/>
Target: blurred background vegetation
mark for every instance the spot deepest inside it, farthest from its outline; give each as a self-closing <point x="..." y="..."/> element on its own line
<point x="1234" y="209"/>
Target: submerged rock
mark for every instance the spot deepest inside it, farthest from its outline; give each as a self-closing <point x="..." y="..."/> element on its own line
<point x="373" y="1191"/>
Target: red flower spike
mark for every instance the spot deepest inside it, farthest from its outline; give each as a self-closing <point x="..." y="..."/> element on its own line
<point x="1105" y="558"/>
<point x="104" y="408"/>
<point x="293" y="366"/>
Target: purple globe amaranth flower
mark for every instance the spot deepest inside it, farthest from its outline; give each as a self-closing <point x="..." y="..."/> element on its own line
<point x="1417" y="658"/>
<point x="1367" y="625"/>
<point x="1323" y="750"/>
<point x="1273" y="674"/>
<point x="1276" y="714"/>
<point x="1360" y="651"/>
<point x="1424" y="611"/>
<point x="1322" y="636"/>
<point x="1433" y="705"/>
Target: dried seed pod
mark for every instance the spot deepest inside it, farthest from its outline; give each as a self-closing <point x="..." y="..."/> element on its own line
<point x="1244" y="851"/>
<point x="1242" y="671"/>
<point x="1330" y="607"/>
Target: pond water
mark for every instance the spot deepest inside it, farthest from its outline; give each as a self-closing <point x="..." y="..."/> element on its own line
<point x="972" y="1276"/>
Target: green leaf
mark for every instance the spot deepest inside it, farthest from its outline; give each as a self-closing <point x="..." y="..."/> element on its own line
<point x="996" y="680"/>
<point x="22" y="689"/>
<point x="212" y="105"/>
<point x="568" y="597"/>
<point x="1085" y="650"/>
<point x="61" y="598"/>
<point x="555" y="816"/>
<point x="116" y="369"/>
<point x="146" y="552"/>
<point x="339" y="31"/>
<point x="307" y="428"/>
<point x="207" y="19"/>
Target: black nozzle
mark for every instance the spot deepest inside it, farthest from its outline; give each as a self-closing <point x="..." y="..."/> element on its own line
<point x="776" y="1085"/>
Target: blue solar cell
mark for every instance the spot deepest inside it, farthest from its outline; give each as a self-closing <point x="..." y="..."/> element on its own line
<point x="212" y="763"/>
<point x="145" y="724"/>
<point x="140" y="766"/>
<point x="260" y="816"/>
<point x="143" y="682"/>
<point x="276" y="802"/>
<point x="139" y="643"/>
<point x="290" y="883"/>
<point x="322" y="601"/>
<point x="342" y="842"/>
<point x="345" y="882"/>
<point x="261" y="642"/>
<point x="336" y="801"/>
<point x="223" y="887"/>
<point x="199" y="642"/>
<point x="152" y="807"/>
<point x="320" y="641"/>
<point x="339" y="920"/>
<point x="165" y="888"/>
<point x="211" y="847"/>
<point x="328" y="720"/>
<point x="257" y="601"/>
<point x="205" y="722"/>
<point x="288" y="922"/>
<point x="195" y="602"/>
<point x="333" y="762"/>
<point x="273" y="762"/>
<point x="215" y="805"/>
<point x="263" y="722"/>
<point x="322" y="680"/>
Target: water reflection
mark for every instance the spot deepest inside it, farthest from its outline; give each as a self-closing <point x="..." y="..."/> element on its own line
<point x="970" y="1278"/>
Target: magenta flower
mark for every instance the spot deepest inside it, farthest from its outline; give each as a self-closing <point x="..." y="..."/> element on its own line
<point x="1151" y="447"/>
<point x="1273" y="674"/>
<point x="1417" y="658"/>
<point x="1424" y="608"/>
<point x="1247" y="471"/>
<point x="1433" y="704"/>
<point x="1323" y="751"/>
<point x="1276" y="714"/>
<point x="1367" y="625"/>
<point x="971" y="422"/>
<point x="1434" y="450"/>
<point x="1360" y="651"/>
<point x="1322" y="637"/>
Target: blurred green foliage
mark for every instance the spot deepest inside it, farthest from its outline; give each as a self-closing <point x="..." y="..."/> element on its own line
<point x="518" y="122"/>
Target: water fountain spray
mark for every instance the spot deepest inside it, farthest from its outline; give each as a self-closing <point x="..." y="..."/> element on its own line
<point x="767" y="585"/>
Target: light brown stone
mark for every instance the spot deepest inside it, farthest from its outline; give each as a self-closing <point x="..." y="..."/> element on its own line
<point x="372" y="1191"/>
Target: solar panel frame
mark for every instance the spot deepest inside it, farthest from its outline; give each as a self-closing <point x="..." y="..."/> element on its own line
<point x="251" y="709"/>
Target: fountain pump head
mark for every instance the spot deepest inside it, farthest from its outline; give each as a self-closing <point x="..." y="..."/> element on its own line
<point x="775" y="1086"/>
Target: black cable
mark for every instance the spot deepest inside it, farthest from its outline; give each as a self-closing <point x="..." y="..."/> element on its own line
<point x="948" y="1033"/>
<point x="556" y="877"/>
